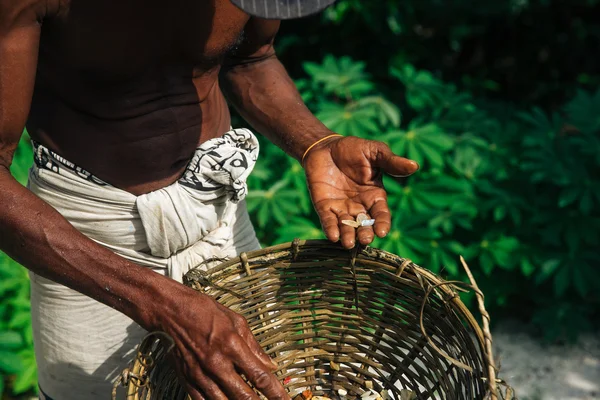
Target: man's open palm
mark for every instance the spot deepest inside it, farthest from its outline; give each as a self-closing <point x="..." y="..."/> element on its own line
<point x="345" y="179"/>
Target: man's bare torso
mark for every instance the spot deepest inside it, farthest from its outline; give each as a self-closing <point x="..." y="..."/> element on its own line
<point x="128" y="89"/>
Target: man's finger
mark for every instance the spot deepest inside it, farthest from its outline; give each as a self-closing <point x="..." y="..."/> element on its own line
<point x="392" y="164"/>
<point x="347" y="233"/>
<point x="259" y="352"/>
<point x="199" y="384"/>
<point x="330" y="222"/>
<point x="365" y="235"/>
<point x="233" y="385"/>
<point x="262" y="378"/>
<point x="248" y="339"/>
<point x="380" y="212"/>
<point x="194" y="394"/>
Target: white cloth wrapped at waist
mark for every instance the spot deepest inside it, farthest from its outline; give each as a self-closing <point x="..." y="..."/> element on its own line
<point x="81" y="345"/>
<point x="179" y="223"/>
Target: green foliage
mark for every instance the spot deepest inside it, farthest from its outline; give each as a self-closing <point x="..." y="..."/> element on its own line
<point x="523" y="51"/>
<point x="17" y="360"/>
<point x="363" y="110"/>
<point x="516" y="195"/>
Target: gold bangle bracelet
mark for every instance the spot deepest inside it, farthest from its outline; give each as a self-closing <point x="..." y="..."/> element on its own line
<point x="316" y="143"/>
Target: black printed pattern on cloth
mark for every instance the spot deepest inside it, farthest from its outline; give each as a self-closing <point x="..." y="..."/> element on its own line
<point x="223" y="162"/>
<point x="45" y="158"/>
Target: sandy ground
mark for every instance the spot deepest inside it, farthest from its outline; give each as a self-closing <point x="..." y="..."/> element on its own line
<point x="538" y="372"/>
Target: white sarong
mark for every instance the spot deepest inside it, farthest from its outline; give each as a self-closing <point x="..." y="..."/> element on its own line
<point x="82" y="345"/>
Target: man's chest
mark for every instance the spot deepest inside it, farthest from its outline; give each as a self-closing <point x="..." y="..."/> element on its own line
<point x="124" y="37"/>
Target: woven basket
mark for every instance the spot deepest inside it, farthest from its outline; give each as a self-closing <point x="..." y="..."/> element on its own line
<point x="411" y="336"/>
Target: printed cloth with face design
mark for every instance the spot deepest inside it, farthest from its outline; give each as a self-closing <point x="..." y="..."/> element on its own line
<point x="181" y="220"/>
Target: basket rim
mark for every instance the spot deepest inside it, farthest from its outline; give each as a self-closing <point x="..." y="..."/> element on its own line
<point x="368" y="251"/>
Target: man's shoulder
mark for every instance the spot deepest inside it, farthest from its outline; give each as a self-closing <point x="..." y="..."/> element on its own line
<point x="14" y="13"/>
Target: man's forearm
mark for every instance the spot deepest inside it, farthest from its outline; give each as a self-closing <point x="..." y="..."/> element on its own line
<point x="37" y="236"/>
<point x="265" y="95"/>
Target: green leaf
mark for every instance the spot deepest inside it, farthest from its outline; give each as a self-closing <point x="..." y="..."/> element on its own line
<point x="20" y="319"/>
<point x="504" y="260"/>
<point x="26" y="380"/>
<point x="507" y="244"/>
<point x="349" y="120"/>
<point x="300" y="228"/>
<point x="422" y="89"/>
<point x="527" y="267"/>
<point x="487" y="263"/>
<point x="450" y="264"/>
<point x="413" y="153"/>
<point x="391" y="112"/>
<point x="10" y="284"/>
<point x="263" y="214"/>
<point x="547" y="269"/>
<point x="28" y="336"/>
<point x="278" y="214"/>
<point x="422" y="143"/>
<point x="457" y="248"/>
<point x="499" y="213"/>
<point x="343" y="77"/>
<point x="470" y="252"/>
<point x="584" y="111"/>
<point x="435" y="157"/>
<point x="438" y="138"/>
<point x="22" y="159"/>
<point x="10" y="362"/>
<point x="567" y="197"/>
<point x="419" y="245"/>
<point x="10" y="340"/>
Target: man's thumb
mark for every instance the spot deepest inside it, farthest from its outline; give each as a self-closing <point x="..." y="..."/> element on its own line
<point x="392" y="164"/>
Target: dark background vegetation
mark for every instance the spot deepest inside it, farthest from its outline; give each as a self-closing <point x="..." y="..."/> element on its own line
<point x="499" y="102"/>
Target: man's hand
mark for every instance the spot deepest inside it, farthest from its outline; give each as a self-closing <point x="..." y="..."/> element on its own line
<point x="344" y="177"/>
<point x="213" y="347"/>
<point x="344" y="174"/>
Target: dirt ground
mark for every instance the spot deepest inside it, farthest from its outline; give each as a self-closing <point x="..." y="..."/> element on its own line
<point x="556" y="372"/>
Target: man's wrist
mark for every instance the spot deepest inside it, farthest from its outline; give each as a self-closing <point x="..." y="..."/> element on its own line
<point x="163" y="302"/>
<point x="323" y="140"/>
<point x="313" y="143"/>
<point x="137" y="292"/>
<point x="153" y="301"/>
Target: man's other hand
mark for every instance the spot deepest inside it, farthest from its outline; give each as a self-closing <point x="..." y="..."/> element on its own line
<point x="213" y="348"/>
<point x="344" y="177"/>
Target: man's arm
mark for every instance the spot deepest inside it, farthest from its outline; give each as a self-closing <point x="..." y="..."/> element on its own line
<point x="259" y="87"/>
<point x="343" y="174"/>
<point x="31" y="231"/>
<point x="212" y="343"/>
